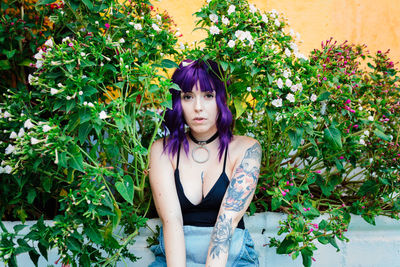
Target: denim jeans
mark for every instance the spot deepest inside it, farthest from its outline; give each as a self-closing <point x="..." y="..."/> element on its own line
<point x="197" y="240"/>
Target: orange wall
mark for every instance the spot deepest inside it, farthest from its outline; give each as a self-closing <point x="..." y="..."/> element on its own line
<point x="372" y="22"/>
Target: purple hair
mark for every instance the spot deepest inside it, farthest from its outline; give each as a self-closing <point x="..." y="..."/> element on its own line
<point x="190" y="72"/>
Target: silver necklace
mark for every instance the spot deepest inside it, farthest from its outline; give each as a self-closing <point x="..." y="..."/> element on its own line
<point x="201" y="148"/>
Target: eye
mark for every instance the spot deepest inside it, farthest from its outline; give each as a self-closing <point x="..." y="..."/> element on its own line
<point x="209" y="95"/>
<point x="186" y="96"/>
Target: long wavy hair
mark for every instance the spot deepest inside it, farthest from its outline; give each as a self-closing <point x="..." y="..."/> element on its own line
<point x="207" y="74"/>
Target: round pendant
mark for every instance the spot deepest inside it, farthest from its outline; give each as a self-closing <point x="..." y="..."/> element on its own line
<point x="200" y="154"/>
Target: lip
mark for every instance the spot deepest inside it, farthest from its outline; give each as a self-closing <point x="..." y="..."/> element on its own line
<point x="199" y="119"/>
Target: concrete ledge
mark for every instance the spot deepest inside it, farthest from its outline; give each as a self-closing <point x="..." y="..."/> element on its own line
<point x="369" y="246"/>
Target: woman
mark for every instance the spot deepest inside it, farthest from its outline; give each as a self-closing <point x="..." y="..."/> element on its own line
<point x="203" y="179"/>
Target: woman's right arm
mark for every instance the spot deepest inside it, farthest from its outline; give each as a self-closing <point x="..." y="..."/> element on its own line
<point x="162" y="184"/>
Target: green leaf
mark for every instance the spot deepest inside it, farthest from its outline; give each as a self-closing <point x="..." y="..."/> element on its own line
<point x="169" y="64"/>
<point x="275" y="203"/>
<point x="381" y="135"/>
<point x="332" y="241"/>
<point x="240" y="107"/>
<point x="9" y="54"/>
<point x="287" y="246"/>
<point x="34" y="256"/>
<point x="369" y="187"/>
<point x="94" y="234"/>
<point x="76" y="162"/>
<point x="19" y="227"/>
<point x="175" y="86"/>
<point x="224" y="65"/>
<point x="296" y="137"/>
<point x="323" y="240"/>
<point x="306" y="256"/>
<point x="43" y="2"/>
<point x="42" y="245"/>
<point x="322" y="224"/>
<point x="168" y="102"/>
<point x="47" y="183"/>
<point x="270" y="79"/>
<point x="333" y="137"/>
<point x="5" y="65"/>
<point x="31" y="196"/>
<point x="73" y="244"/>
<point x="369" y="219"/>
<point x="324" y="96"/>
<point x="252" y="208"/>
<point x="125" y="188"/>
<point x="84" y="130"/>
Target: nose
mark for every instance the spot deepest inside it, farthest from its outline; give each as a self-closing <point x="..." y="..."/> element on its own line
<point x="198" y="105"/>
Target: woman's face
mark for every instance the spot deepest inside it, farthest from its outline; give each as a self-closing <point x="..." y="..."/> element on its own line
<point x="200" y="112"/>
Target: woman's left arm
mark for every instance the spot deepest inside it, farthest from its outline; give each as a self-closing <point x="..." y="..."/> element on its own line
<point x="235" y="203"/>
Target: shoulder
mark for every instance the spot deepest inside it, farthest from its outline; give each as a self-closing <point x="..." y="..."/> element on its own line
<point x="242" y="145"/>
<point x="157" y="150"/>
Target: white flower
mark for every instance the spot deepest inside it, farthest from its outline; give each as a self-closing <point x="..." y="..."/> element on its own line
<point x="7" y="169"/>
<point x="34" y="141"/>
<point x="10" y="149"/>
<point x="366" y="132"/>
<point x="293" y="88"/>
<point x="277" y="23"/>
<point x="83" y="54"/>
<point x="13" y="135"/>
<point x="240" y="35"/>
<point x="49" y="43"/>
<point x="213" y="18"/>
<point x="80" y="93"/>
<point x="231" y="43"/>
<point x="313" y="98"/>
<point x="323" y="108"/>
<point x="182" y="46"/>
<point x="21" y="132"/>
<point x="121" y="41"/>
<point x="39" y="55"/>
<point x="138" y="26"/>
<point x="277" y="102"/>
<point x="231" y="9"/>
<point x="264" y="18"/>
<point x="300" y="56"/>
<point x="208" y="1"/>
<point x="6" y="115"/>
<point x="360" y="108"/>
<point x="288" y="83"/>
<point x="225" y="20"/>
<point x="39" y="64"/>
<point x="370" y="118"/>
<point x="287" y="73"/>
<point x="290" y="97"/>
<point x="178" y="34"/>
<point x="158" y="17"/>
<point x="96" y="22"/>
<point x="248" y="89"/>
<point x="214" y="30"/>
<point x="287" y="52"/>
<point x="293" y="46"/>
<point x="299" y="87"/>
<point x="28" y="124"/>
<point x="280" y="83"/>
<point x="68" y="97"/>
<point x="155" y="27"/>
<point x="274" y="13"/>
<point x="252" y="8"/>
<point x="65" y="39"/>
<point x="103" y="115"/>
<point x="46" y="128"/>
<point x="362" y="142"/>
<point x="32" y="79"/>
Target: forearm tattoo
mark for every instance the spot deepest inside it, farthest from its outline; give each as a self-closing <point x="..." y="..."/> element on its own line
<point x="244" y="180"/>
<point x="221" y="236"/>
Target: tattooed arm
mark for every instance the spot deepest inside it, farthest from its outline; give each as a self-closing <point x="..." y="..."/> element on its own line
<point x="235" y="203"/>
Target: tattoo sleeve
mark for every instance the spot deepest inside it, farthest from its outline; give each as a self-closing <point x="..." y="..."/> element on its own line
<point x="244" y="180"/>
<point x="221" y="236"/>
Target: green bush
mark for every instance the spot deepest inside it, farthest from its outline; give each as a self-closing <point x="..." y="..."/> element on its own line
<point x="76" y="132"/>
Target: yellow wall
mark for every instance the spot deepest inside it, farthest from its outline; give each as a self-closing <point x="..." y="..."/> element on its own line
<point x="371" y="22"/>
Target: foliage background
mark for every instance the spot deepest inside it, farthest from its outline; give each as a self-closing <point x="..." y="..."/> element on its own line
<point x="80" y="114"/>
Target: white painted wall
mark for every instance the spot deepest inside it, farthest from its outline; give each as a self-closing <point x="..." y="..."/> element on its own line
<point x="369" y="246"/>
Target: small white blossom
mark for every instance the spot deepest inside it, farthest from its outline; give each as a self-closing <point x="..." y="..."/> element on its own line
<point x="287" y="73"/>
<point x="287" y="52"/>
<point x="225" y="20"/>
<point x="80" y="93"/>
<point x="300" y="56"/>
<point x="53" y="91"/>
<point x="34" y="141"/>
<point x="138" y="27"/>
<point x="39" y="64"/>
<point x="252" y="8"/>
<point x="370" y="118"/>
<point x="213" y="18"/>
<point x="121" y="41"/>
<point x="264" y="18"/>
<point x="158" y="17"/>
<point x="6" y="115"/>
<point x="32" y="79"/>
<point x="68" y="97"/>
<point x="10" y="149"/>
<point x="13" y="135"/>
<point x="274" y="13"/>
<point x="277" y="103"/>
<point x="66" y="39"/>
<point x="366" y="132"/>
<point x="280" y="83"/>
<point x="288" y="83"/>
<point x="248" y="89"/>
<point x="39" y="55"/>
<point x="83" y="54"/>
<point x="290" y="97"/>
<point x="362" y="142"/>
<point x="7" y="169"/>
<point x="182" y="46"/>
<point x="103" y="115"/>
<point x="96" y="22"/>
<point x="46" y="128"/>
<point x="155" y="27"/>
<point x="49" y="43"/>
<point x="293" y="46"/>
<point x="293" y="88"/>
<point x="231" y="43"/>
<point x="60" y="85"/>
<point x="127" y="32"/>
<point x="299" y="87"/>
<point x="231" y="9"/>
<point x="28" y="124"/>
<point x="323" y="108"/>
<point x="21" y="132"/>
<point x="313" y="98"/>
<point x="360" y="108"/>
<point x="214" y="30"/>
<point x="277" y="23"/>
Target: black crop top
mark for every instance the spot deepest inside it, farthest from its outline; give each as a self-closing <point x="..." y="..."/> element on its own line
<point x="205" y="213"/>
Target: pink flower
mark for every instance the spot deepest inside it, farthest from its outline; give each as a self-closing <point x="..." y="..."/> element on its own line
<point x="355" y="126"/>
<point x="313" y="258"/>
<point x="287" y="190"/>
<point x="311" y="230"/>
<point x="70" y="44"/>
<point x="291" y="184"/>
<point x="363" y="207"/>
<point x="341" y="157"/>
<point x="348" y="101"/>
<point x="107" y="26"/>
<point x="283" y="193"/>
<point x="325" y="79"/>
<point x="317" y="171"/>
<point x="287" y="182"/>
